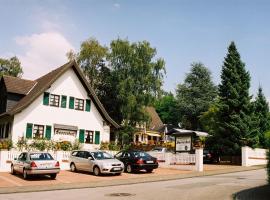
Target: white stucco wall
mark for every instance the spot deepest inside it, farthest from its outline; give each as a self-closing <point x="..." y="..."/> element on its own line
<point x="37" y="113"/>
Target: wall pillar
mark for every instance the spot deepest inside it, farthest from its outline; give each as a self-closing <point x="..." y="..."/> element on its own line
<point x="245" y="156"/>
<point x="199" y="160"/>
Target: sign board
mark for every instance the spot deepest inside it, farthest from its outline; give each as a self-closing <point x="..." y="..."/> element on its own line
<point x="65" y="132"/>
<point x="183" y="143"/>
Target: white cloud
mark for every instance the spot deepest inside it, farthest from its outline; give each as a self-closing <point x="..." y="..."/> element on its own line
<point x="43" y="53"/>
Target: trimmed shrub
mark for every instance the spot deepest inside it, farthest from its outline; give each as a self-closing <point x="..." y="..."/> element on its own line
<point x="6" y="144"/>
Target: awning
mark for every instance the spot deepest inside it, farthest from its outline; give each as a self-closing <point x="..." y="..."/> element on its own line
<point x="65" y="127"/>
<point x="153" y="134"/>
<point x="150" y="133"/>
<point x="177" y="131"/>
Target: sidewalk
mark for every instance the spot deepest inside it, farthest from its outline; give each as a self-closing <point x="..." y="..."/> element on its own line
<point x="209" y="170"/>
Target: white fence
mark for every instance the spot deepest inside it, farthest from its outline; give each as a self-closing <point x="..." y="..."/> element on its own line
<point x="167" y="160"/>
<point x="182" y="161"/>
<point x="252" y="157"/>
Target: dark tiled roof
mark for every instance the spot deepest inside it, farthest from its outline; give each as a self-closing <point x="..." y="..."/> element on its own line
<point x="18" y="85"/>
<point x="44" y="82"/>
<point x="155" y="121"/>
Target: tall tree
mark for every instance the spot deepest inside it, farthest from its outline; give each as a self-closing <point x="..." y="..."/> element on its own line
<point x="138" y="76"/>
<point x="195" y="95"/>
<point x="261" y="110"/>
<point x="235" y="115"/>
<point x="11" y="67"/>
<point x="91" y="56"/>
<point x="166" y="107"/>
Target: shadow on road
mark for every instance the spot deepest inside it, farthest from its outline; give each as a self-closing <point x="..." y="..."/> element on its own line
<point x="257" y="193"/>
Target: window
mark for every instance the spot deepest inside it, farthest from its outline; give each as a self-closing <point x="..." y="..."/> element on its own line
<point x="54" y="100"/>
<point x="38" y="131"/>
<point x="89" y="137"/>
<point x="79" y="104"/>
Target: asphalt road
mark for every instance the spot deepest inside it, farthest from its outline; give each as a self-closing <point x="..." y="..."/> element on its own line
<point x="207" y="187"/>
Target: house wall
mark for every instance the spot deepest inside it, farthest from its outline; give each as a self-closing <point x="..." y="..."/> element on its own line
<point x="67" y="84"/>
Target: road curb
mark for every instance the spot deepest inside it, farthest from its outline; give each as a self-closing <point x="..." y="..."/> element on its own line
<point x="68" y="186"/>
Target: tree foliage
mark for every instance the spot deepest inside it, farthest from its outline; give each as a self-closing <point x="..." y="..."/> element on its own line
<point x="237" y="123"/>
<point x="137" y="75"/>
<point x="91" y="57"/>
<point x="166" y="107"/>
<point x="10" y="67"/>
<point x="195" y="96"/>
<point x="261" y="110"/>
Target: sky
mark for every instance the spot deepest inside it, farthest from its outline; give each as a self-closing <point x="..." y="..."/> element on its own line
<point x="40" y="33"/>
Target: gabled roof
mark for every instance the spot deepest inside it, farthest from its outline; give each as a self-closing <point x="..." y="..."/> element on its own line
<point x="17" y="85"/>
<point x="155" y="121"/>
<point x="44" y="82"/>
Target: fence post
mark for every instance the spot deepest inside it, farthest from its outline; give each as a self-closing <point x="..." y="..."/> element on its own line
<point x="245" y="156"/>
<point x="199" y="160"/>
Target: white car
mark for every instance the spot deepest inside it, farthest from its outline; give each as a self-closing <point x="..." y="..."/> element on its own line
<point x="98" y="162"/>
<point x="34" y="163"/>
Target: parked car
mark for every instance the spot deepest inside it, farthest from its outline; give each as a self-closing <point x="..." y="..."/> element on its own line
<point x="98" y="162"/>
<point x="35" y="163"/>
<point x="208" y="156"/>
<point x="135" y="160"/>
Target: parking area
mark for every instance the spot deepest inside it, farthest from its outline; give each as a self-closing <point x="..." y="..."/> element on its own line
<point x="9" y="180"/>
<point x="67" y="177"/>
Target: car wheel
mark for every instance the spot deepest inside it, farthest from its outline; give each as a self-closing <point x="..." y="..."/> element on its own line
<point x="25" y="175"/>
<point x="149" y="170"/>
<point x="53" y="176"/>
<point x="96" y="171"/>
<point x="73" y="167"/>
<point x="12" y="170"/>
<point x="129" y="169"/>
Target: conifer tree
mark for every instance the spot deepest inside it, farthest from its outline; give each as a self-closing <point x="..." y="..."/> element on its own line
<point x="261" y="110"/>
<point x="235" y="113"/>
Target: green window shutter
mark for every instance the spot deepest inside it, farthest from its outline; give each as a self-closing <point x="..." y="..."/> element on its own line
<point x="63" y="101"/>
<point x="48" y="132"/>
<point x="46" y="97"/>
<point x="71" y="102"/>
<point x="81" y="136"/>
<point x="97" y="137"/>
<point x="29" y="128"/>
<point x="88" y="105"/>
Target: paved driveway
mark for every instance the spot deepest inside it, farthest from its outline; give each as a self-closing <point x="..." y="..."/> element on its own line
<point x="8" y="180"/>
<point x="219" y="187"/>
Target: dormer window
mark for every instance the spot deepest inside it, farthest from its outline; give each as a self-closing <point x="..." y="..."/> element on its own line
<point x="54" y="100"/>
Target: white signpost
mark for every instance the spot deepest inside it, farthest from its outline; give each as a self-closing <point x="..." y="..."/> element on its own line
<point x="183" y="143"/>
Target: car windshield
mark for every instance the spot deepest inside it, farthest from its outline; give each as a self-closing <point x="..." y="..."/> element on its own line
<point x="40" y="156"/>
<point x="139" y="154"/>
<point x="102" y="155"/>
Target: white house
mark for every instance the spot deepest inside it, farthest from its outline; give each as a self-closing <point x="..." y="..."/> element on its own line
<point x="60" y="106"/>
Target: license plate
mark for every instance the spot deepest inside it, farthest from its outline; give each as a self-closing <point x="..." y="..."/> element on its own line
<point x="46" y="165"/>
<point x="117" y="168"/>
<point x="150" y="161"/>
